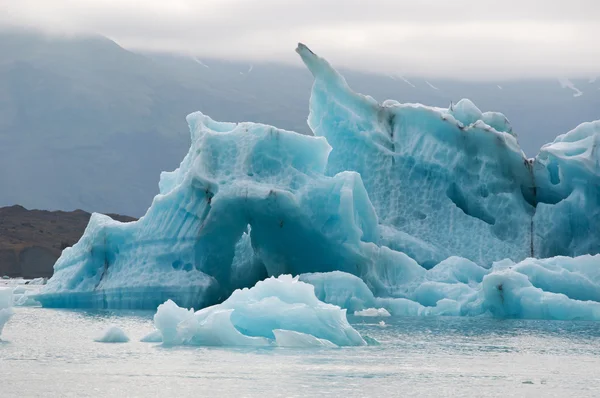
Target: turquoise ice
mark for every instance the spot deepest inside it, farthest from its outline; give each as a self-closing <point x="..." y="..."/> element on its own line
<point x="277" y="311"/>
<point x="413" y="209"/>
<point x="567" y="175"/>
<point x="212" y="227"/>
<point x="454" y="182"/>
<point x="560" y="288"/>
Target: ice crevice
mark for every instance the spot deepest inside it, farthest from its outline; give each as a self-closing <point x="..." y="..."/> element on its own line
<point x="412" y="209"/>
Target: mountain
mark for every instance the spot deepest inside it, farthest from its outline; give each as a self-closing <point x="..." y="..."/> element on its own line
<point x="32" y="240"/>
<point x="87" y="124"/>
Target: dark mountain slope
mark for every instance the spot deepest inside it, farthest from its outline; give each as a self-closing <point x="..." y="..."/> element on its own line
<point x="31" y="240"/>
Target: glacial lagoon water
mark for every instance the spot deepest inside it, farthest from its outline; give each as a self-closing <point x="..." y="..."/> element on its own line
<point x="52" y="353"/>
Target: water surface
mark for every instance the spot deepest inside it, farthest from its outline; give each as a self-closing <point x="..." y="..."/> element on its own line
<point x="52" y="353"/>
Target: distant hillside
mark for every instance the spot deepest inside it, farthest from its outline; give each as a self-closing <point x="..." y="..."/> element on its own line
<point x="31" y="240"/>
<point x="86" y="124"/>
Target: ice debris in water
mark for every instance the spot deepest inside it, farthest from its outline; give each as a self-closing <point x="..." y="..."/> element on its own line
<point x="419" y="210"/>
<point x="277" y="311"/>
<point x="25" y="300"/>
<point x="373" y="312"/>
<point x="6" y="303"/>
<point x="152" y="337"/>
<point x="24" y="291"/>
<point x="113" y="334"/>
<point x="561" y="288"/>
<point x="37" y="281"/>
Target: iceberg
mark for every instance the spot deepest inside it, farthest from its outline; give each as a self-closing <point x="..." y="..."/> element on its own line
<point x="436" y="174"/>
<point x="279" y="311"/>
<point x="567" y="175"/>
<point x="430" y="173"/>
<point x="511" y="294"/>
<point x="6" y="303"/>
<point x="417" y="210"/>
<point x="248" y="201"/>
<point x="560" y="288"/>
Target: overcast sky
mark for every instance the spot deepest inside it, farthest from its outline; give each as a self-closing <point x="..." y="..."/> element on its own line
<point x="476" y="39"/>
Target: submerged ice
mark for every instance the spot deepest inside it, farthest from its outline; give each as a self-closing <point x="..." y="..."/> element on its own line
<point x="406" y="208"/>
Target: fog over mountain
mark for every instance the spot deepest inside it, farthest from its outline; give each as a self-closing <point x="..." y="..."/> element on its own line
<point x="85" y="123"/>
<point x="466" y="39"/>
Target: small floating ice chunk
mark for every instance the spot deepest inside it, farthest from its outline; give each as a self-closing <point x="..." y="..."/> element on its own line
<point x="289" y="338"/>
<point x="38" y="281"/>
<point x="152" y="337"/>
<point x="20" y="290"/>
<point x="113" y="334"/>
<point x="6" y="311"/>
<point x="373" y="312"/>
<point x="167" y="318"/>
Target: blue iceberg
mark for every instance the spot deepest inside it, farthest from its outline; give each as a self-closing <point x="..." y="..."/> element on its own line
<point x="277" y="311"/>
<point x="414" y="209"/>
<point x="211" y="229"/>
<point x="434" y="175"/>
<point x="567" y="175"/>
<point x="560" y="288"/>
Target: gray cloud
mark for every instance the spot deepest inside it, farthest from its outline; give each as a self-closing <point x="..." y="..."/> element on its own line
<point x="471" y="39"/>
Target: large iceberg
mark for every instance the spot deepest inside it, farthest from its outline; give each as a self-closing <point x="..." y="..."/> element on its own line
<point x="454" y="182"/>
<point x="414" y="209"/>
<point x="248" y="201"/>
